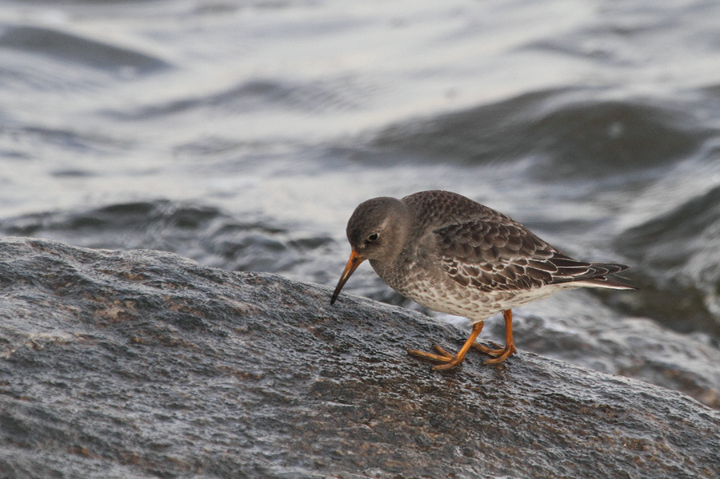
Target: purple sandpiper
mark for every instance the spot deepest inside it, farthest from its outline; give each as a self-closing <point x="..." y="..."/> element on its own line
<point x="456" y="256"/>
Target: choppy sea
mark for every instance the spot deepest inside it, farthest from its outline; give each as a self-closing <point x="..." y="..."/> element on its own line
<point x="243" y="133"/>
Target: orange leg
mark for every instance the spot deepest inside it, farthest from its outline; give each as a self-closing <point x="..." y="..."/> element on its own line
<point x="450" y="360"/>
<point x="503" y="353"/>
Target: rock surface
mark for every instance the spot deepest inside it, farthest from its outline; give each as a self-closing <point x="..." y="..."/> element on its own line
<point x="143" y="364"/>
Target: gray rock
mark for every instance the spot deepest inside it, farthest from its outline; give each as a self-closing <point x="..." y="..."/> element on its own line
<point x="145" y="364"/>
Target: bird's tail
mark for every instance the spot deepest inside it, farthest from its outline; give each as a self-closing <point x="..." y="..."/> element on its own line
<point x="592" y="275"/>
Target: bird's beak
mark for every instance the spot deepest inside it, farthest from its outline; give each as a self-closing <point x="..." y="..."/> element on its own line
<point x="352" y="264"/>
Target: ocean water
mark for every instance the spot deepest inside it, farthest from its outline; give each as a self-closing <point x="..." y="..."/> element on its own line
<point x="243" y="133"/>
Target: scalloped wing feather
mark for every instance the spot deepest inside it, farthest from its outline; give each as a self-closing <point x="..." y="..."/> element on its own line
<point x="505" y="256"/>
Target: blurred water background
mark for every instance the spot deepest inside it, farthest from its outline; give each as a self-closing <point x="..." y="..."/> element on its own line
<point x="243" y="133"/>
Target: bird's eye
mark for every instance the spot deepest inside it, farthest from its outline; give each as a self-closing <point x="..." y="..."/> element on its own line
<point x="373" y="237"/>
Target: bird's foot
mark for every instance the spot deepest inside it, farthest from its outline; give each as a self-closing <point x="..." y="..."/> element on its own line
<point x="499" y="355"/>
<point x="492" y="352"/>
<point x="443" y="356"/>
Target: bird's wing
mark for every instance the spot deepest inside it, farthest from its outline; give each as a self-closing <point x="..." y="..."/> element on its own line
<point x="503" y="255"/>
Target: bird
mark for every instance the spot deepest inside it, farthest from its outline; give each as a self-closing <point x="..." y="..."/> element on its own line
<point x="454" y="255"/>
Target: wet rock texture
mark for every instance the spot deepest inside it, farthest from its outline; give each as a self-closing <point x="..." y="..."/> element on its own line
<point x="144" y="364"/>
